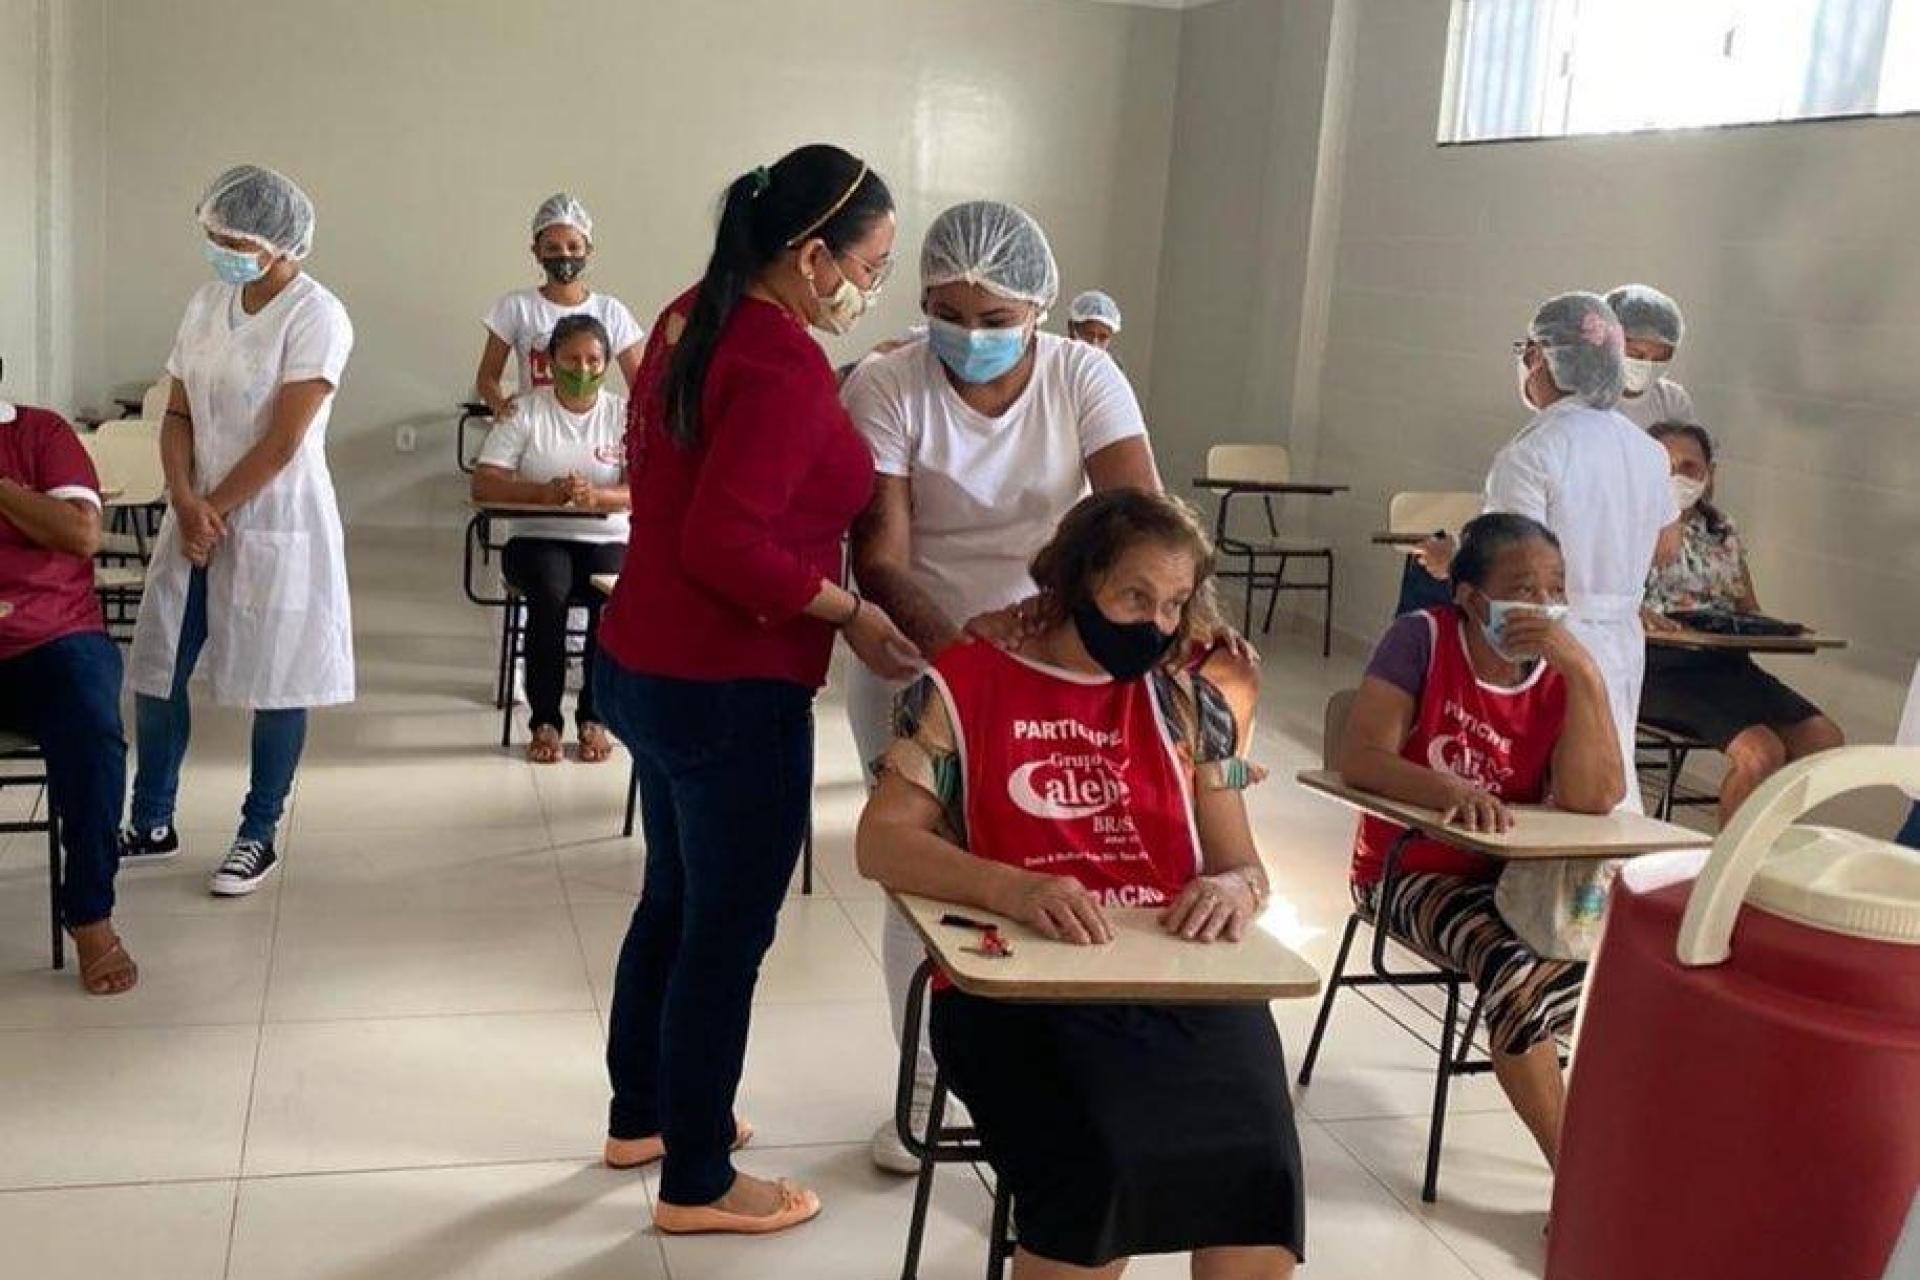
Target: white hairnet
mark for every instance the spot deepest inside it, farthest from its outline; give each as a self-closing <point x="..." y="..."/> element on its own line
<point x="257" y="204"/>
<point x="1648" y="314"/>
<point x="1095" y="305"/>
<point x="1584" y="347"/>
<point x="562" y="210"/>
<point x="996" y="246"/>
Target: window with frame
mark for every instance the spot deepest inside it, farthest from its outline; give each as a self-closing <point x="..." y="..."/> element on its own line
<point x="1554" y="68"/>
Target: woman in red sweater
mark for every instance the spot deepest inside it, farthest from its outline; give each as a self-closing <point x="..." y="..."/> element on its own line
<point x="745" y="473"/>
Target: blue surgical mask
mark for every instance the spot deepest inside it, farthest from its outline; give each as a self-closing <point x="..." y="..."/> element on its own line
<point x="977" y="355"/>
<point x="1496" y="624"/>
<point x="233" y="266"/>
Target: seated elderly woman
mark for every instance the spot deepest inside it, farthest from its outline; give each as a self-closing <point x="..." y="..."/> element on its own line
<point x="1467" y="708"/>
<point x="1087" y="771"/>
<point x="1719" y="697"/>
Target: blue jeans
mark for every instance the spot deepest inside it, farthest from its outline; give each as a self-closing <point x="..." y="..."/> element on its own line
<point x="726" y="779"/>
<point x="66" y="696"/>
<point x="1909" y="834"/>
<point x="163" y="725"/>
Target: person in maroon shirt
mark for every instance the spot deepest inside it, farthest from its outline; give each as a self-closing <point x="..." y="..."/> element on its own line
<point x="60" y="674"/>
<point x="745" y="474"/>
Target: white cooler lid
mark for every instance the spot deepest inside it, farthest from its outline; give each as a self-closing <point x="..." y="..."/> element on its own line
<point x="1842" y="882"/>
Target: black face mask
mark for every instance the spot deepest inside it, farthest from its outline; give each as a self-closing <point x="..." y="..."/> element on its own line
<point x="563" y="269"/>
<point x="1127" y="650"/>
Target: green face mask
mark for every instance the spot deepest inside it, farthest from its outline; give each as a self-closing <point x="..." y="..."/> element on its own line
<point x="577" y="386"/>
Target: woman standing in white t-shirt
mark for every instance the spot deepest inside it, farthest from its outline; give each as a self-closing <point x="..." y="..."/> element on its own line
<point x="564" y="446"/>
<point x="1654" y="327"/>
<point x="521" y="322"/>
<point x="984" y="434"/>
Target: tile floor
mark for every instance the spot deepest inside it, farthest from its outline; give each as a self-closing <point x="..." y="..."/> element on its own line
<point x="385" y="1065"/>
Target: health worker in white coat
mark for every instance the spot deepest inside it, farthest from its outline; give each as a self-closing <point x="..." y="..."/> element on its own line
<point x="1599" y="482"/>
<point x="248" y="580"/>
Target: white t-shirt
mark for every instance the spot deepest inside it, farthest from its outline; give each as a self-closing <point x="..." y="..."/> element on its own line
<point x="544" y="441"/>
<point x="987" y="492"/>
<point x="1664" y="401"/>
<point x="524" y="320"/>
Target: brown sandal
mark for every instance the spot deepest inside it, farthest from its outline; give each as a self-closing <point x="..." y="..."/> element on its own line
<point x="545" y="747"/>
<point x="102" y="975"/>
<point x="596" y="744"/>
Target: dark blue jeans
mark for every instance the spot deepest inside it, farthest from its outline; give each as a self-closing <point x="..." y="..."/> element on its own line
<point x="726" y="779"/>
<point x="1910" y="832"/>
<point x="163" y="726"/>
<point x="66" y="696"/>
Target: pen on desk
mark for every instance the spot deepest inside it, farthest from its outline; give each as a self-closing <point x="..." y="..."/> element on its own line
<point x="966" y="922"/>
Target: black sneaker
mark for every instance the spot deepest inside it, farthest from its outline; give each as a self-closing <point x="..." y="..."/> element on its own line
<point x="156" y="844"/>
<point x="248" y="863"/>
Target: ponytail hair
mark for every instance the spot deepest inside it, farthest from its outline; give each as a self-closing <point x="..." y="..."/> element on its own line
<point x="814" y="192"/>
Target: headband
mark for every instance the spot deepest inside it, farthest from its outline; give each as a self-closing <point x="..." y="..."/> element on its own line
<point x="832" y="209"/>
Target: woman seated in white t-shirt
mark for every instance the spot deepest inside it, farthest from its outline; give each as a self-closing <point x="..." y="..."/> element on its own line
<point x="565" y="447"/>
<point x="984" y="434"/>
<point x="521" y="322"/>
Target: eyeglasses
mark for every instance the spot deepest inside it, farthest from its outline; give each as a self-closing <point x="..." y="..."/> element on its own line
<point x="877" y="272"/>
<point x="1520" y="346"/>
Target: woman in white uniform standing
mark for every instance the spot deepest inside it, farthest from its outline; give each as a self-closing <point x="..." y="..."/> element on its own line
<point x="1599" y="482"/>
<point x="1653" y="326"/>
<point x="249" y="571"/>
<point x="984" y="435"/>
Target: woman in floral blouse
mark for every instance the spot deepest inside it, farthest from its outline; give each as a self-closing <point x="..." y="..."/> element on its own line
<point x="1719" y="697"/>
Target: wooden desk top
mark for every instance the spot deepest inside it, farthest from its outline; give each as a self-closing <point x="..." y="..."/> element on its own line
<point x="1221" y="485"/>
<point x="1143" y="963"/>
<point x="604" y="583"/>
<point x="1538" y="831"/>
<point x="544" y="510"/>
<point x="1706" y="641"/>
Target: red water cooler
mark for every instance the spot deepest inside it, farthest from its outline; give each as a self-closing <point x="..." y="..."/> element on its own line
<point x="1745" y="1095"/>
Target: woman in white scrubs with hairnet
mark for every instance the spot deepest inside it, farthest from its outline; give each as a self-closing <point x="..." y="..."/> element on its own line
<point x="248" y="580"/>
<point x="984" y="434"/>
<point x="1653" y="326"/>
<point x="1598" y="481"/>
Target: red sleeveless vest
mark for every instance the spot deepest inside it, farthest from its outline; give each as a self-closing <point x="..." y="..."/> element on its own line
<point x="1068" y="774"/>
<point x="1500" y="739"/>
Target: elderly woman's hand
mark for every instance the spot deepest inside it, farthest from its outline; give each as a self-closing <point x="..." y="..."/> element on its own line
<point x="1057" y="907"/>
<point x="1211" y="907"/>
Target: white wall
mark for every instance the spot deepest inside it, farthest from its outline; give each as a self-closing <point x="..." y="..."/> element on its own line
<point x="427" y="130"/>
<point x="50" y="123"/>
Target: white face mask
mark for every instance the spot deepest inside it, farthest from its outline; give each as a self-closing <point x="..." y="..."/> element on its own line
<point x="1686" y="491"/>
<point x="842" y="309"/>
<point x="1642" y="374"/>
<point x="1523" y="375"/>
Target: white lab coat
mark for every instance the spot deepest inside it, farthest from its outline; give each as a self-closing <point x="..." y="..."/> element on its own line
<point x="1600" y="483"/>
<point x="279" y="628"/>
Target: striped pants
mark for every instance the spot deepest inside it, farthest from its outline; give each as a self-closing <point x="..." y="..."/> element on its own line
<point x="1525" y="999"/>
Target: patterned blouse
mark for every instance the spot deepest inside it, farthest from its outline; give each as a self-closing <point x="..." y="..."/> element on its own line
<point x="1710" y="572"/>
<point x="1206" y="734"/>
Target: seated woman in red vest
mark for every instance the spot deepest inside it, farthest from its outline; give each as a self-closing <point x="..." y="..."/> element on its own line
<point x="1086" y="772"/>
<point x="1469" y="707"/>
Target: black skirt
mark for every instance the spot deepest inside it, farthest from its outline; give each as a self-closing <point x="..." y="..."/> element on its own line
<point x="1716" y="696"/>
<point x="1130" y="1129"/>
